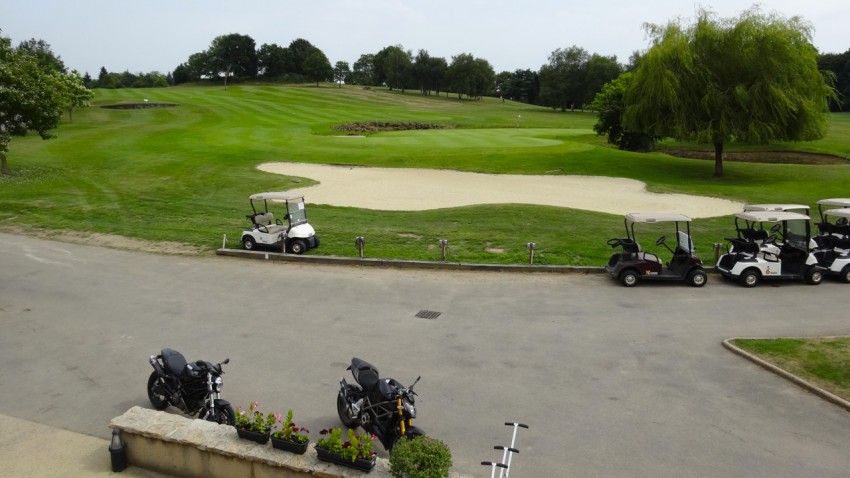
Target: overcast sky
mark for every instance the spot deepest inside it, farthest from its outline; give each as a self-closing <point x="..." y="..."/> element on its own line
<point x="158" y="35"/>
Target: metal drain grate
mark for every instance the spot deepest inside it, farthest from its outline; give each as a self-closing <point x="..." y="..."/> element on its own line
<point x="428" y="314"/>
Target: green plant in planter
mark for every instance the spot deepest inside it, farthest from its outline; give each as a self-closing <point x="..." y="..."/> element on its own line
<point x="357" y="446"/>
<point x="291" y="432"/>
<point x="420" y="457"/>
<point x="254" y="420"/>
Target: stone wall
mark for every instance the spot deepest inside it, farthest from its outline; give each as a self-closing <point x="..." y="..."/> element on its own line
<point x="179" y="446"/>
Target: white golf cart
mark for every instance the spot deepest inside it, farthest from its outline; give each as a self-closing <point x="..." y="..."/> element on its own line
<point x="633" y="264"/>
<point x="788" y="257"/>
<point x="268" y="231"/>
<point x="834" y="247"/>
<point x="827" y="228"/>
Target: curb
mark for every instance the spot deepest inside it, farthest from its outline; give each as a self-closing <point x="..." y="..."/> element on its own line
<point x="834" y="399"/>
<point x="403" y="264"/>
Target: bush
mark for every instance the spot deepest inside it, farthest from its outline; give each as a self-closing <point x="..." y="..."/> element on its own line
<point x="420" y="457"/>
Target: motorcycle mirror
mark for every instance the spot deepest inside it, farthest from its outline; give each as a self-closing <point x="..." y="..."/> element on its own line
<point x="415" y="382"/>
<point x="226" y="361"/>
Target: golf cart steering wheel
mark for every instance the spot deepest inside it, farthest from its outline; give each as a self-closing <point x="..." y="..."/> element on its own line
<point x="278" y="222"/>
<point x="661" y="240"/>
<point x="614" y="242"/>
<point x="842" y="221"/>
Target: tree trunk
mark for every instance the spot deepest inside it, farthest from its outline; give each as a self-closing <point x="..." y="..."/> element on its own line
<point x="4" y="167"/>
<point x="718" y="158"/>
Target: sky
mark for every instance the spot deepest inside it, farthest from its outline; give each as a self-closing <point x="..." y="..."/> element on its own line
<point x="158" y="35"/>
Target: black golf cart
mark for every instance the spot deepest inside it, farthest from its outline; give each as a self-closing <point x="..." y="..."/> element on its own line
<point x="633" y="263"/>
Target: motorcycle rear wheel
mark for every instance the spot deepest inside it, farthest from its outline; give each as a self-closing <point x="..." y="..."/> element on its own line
<point x="342" y="410"/>
<point x="159" y="401"/>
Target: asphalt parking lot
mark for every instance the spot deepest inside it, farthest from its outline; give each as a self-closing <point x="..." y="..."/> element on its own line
<point x="613" y="382"/>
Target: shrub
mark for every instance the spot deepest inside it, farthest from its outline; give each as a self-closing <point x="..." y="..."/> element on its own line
<point x="420" y="457"/>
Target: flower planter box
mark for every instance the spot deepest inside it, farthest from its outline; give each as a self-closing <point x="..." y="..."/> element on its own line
<point x="361" y="464"/>
<point x="292" y="447"/>
<point x="261" y="438"/>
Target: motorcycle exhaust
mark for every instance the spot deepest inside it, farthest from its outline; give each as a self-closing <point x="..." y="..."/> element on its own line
<point x="155" y="364"/>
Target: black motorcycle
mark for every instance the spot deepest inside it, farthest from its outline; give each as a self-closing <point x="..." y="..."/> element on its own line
<point x="383" y="407"/>
<point x="194" y="388"/>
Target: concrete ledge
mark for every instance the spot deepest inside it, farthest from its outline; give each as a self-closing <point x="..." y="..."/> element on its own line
<point x="356" y="261"/>
<point x="180" y="446"/>
<point x="834" y="399"/>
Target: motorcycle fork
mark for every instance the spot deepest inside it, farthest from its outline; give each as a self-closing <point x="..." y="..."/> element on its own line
<point x="401" y="420"/>
<point x="211" y="396"/>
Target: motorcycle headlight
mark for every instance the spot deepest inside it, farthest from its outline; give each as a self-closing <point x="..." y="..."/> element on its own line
<point x="218" y="384"/>
<point x="410" y="409"/>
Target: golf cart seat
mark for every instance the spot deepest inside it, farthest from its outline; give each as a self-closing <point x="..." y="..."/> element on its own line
<point x="751" y="234"/>
<point x="265" y="222"/>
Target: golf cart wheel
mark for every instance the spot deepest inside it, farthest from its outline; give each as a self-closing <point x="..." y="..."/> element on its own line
<point x="697" y="278"/>
<point x="629" y="278"/>
<point x="248" y="243"/>
<point x="750" y="278"/>
<point x="845" y="274"/>
<point x="814" y="276"/>
<point x="298" y="246"/>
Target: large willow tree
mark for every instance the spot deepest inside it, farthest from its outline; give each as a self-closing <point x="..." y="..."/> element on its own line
<point x="751" y="79"/>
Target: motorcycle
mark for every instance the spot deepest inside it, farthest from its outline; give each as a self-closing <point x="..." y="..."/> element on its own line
<point x="194" y="388"/>
<point x="383" y="407"/>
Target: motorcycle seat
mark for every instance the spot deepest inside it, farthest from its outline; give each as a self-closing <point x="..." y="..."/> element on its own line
<point x="174" y="361"/>
<point x="364" y="373"/>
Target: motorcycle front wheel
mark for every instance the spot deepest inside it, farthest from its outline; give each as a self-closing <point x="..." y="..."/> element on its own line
<point x="158" y="400"/>
<point x="223" y="415"/>
<point x="342" y="410"/>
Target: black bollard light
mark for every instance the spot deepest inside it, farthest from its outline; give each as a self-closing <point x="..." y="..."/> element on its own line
<point x="118" y="452"/>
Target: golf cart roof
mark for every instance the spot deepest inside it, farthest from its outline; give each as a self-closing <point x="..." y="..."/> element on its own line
<point x="775" y="207"/>
<point x="656" y="217"/>
<point x="840" y="202"/>
<point x="274" y="196"/>
<point x="844" y="212"/>
<point x="770" y="216"/>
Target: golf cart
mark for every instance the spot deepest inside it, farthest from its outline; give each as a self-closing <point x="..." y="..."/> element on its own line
<point x="267" y="231"/>
<point x="633" y="264"/>
<point x="834" y="248"/>
<point x="784" y="254"/>
<point x="839" y="228"/>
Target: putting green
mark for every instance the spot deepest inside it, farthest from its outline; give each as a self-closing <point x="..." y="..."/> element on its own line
<point x="467" y="138"/>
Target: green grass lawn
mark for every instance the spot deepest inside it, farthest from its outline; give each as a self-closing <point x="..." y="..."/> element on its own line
<point x="184" y="174"/>
<point x="824" y="362"/>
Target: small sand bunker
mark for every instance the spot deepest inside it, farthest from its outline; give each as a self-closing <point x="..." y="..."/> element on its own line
<point x="393" y="189"/>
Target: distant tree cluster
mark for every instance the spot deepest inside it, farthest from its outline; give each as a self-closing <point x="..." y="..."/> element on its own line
<point x="839" y="65"/>
<point x="109" y="80"/>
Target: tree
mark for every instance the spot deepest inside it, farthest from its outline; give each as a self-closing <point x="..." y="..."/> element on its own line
<point x="233" y="54"/>
<point x="31" y="99"/>
<point x="598" y="71"/>
<point x="470" y="76"/>
<point x="428" y="72"/>
<point x="752" y="79"/>
<point x="76" y="92"/>
<point x="317" y="67"/>
<point x="297" y="53"/>
<point x="272" y="60"/>
<point x="392" y="66"/>
<point x="341" y="72"/>
<point x="562" y="80"/>
<point x="40" y="50"/>
<point x="521" y="85"/>
<point x="363" y="72"/>
<point x="609" y="105"/>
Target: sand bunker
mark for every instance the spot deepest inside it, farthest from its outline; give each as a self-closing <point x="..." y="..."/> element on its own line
<point x="420" y="189"/>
